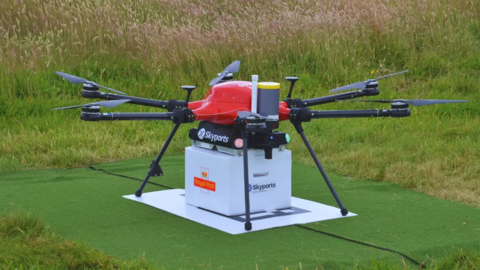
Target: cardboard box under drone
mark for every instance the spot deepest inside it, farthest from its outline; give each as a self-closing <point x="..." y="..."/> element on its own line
<point x="214" y="180"/>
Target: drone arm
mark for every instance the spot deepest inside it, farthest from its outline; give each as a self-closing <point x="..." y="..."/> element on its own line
<point x="305" y="114"/>
<point x="177" y="116"/>
<point x="137" y="116"/>
<point x="169" y="105"/>
<point x="342" y="96"/>
<point x="360" y="113"/>
<point x="125" y="116"/>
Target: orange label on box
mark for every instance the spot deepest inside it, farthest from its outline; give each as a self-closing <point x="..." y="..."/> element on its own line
<point x="202" y="183"/>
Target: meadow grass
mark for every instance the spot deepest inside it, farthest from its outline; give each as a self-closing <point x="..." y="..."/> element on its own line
<point x="27" y="243"/>
<point x="150" y="48"/>
<point x="459" y="260"/>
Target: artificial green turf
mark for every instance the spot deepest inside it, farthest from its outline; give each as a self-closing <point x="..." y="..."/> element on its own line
<point x="87" y="205"/>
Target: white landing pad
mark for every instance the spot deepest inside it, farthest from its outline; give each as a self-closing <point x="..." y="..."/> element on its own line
<point x="302" y="211"/>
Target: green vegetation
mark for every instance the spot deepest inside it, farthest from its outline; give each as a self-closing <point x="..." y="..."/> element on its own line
<point x="150" y="48"/>
<point x="458" y="260"/>
<point x="86" y="205"/>
<point x="27" y="243"/>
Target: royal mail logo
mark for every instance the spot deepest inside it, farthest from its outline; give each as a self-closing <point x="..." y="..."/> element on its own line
<point x="204" y="172"/>
<point x="205" y="184"/>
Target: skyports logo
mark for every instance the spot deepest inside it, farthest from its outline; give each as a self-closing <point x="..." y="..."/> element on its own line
<point x="261" y="188"/>
<point x="212" y="137"/>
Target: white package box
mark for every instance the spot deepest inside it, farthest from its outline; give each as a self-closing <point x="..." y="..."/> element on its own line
<point x="214" y="180"/>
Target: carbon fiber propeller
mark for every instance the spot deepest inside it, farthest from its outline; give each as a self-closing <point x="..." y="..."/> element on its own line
<point x="362" y="85"/>
<point x="108" y="104"/>
<point x="77" y="80"/>
<point x="232" y="68"/>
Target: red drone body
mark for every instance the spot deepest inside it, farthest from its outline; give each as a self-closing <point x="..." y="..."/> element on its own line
<point x="222" y="102"/>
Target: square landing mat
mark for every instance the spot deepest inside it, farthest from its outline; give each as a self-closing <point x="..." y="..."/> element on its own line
<point x="301" y="212"/>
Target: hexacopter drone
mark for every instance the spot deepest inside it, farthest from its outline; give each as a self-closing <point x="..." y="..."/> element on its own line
<point x="237" y="115"/>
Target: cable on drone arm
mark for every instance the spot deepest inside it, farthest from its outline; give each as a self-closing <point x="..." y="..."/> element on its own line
<point x="143" y="101"/>
<point x="93" y="92"/>
<point x="370" y="89"/>
<point x="337" y="97"/>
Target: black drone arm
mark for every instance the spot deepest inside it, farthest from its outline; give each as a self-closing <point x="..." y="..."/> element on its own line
<point x="96" y="116"/>
<point x="169" y="105"/>
<point x="302" y="103"/>
<point x="305" y="114"/>
<point x="360" y="113"/>
<point x="177" y="116"/>
<point x="342" y="96"/>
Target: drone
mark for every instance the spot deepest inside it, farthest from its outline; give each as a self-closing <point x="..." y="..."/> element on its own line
<point x="243" y="114"/>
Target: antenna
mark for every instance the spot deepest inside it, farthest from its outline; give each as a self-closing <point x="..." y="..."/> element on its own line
<point x="254" y="93"/>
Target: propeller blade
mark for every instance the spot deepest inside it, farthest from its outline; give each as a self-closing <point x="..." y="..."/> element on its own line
<point x="398" y="73"/>
<point x="232" y="68"/>
<point x="414" y="102"/>
<point x="357" y="85"/>
<point x="362" y="85"/>
<point x="108" y="104"/>
<point x="218" y="79"/>
<point x="71" y="78"/>
<point x="77" y="80"/>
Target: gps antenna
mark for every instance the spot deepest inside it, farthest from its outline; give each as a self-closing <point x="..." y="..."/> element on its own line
<point x="292" y="81"/>
<point x="189" y="88"/>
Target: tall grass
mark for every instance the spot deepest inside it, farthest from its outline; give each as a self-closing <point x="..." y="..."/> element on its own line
<point x="27" y="243"/>
<point x="150" y="48"/>
<point x="458" y="259"/>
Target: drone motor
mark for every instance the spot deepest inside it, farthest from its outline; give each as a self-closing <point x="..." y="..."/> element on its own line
<point x="90" y="90"/>
<point x="371" y="89"/>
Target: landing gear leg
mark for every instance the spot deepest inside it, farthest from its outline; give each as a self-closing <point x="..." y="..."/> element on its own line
<point x="248" y="224"/>
<point x="155" y="169"/>
<point x="299" y="129"/>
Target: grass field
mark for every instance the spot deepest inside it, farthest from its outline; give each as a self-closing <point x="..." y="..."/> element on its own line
<point x="150" y="48"/>
<point x="86" y="205"/>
